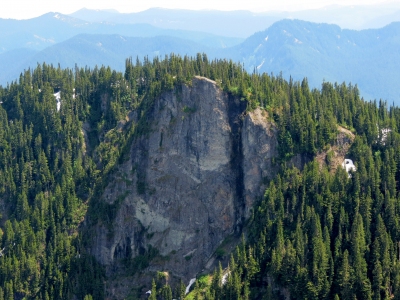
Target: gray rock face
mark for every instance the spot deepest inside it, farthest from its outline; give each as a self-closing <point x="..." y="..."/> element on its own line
<point x="191" y="181"/>
<point x="260" y="147"/>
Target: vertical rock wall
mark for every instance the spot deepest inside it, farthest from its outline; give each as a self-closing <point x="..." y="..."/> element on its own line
<point x="191" y="181"/>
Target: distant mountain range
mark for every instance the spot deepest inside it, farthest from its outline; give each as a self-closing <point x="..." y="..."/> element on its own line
<point x="245" y="23"/>
<point x="368" y="58"/>
<point x="97" y="49"/>
<point x="52" y="28"/>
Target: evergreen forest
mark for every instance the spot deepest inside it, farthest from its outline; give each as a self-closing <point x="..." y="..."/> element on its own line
<point x="318" y="233"/>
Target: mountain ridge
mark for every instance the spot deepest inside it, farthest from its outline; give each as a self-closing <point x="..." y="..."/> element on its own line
<point x="244" y="23"/>
<point x="53" y="27"/>
<point x="318" y="51"/>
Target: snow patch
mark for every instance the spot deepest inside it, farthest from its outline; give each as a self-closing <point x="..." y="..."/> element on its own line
<point x="99" y="44"/>
<point x="58" y="99"/>
<point x="225" y="278"/>
<point x="57" y="16"/>
<point x="266" y="39"/>
<point x="384" y="134"/>
<point x="260" y="65"/>
<point x="348" y="165"/>
<point x="258" y="48"/>
<point x="286" y="33"/>
<point x="193" y="280"/>
<point x="297" y="41"/>
<point x="315" y="50"/>
<point x="43" y="39"/>
<point x="354" y="44"/>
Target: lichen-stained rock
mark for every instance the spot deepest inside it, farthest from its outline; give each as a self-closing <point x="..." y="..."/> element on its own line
<point x="189" y="182"/>
<point x="260" y="147"/>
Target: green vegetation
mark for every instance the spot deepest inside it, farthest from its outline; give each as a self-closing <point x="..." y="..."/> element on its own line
<point x="319" y="234"/>
<point x="189" y="110"/>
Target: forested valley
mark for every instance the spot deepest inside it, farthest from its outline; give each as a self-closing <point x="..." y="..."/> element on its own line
<point x="318" y="233"/>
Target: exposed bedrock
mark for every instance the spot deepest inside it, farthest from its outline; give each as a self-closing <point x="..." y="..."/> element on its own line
<point x="191" y="181"/>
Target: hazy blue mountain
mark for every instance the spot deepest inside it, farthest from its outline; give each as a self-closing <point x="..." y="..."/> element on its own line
<point x="95" y="15"/>
<point x="351" y="17"/>
<point x="38" y="33"/>
<point x="245" y="23"/>
<point x="368" y="58"/>
<point x="13" y="62"/>
<point x="230" y="23"/>
<point x="381" y="21"/>
<point x="51" y="28"/>
<point x="91" y="50"/>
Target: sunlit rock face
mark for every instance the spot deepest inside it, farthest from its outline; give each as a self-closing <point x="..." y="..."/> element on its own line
<point x="190" y="181"/>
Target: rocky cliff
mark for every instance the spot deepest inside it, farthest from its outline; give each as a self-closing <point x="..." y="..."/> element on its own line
<point x="191" y="181"/>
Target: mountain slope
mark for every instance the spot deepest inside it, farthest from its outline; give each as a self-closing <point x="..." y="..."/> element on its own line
<point x="244" y="23"/>
<point x="13" y="62"/>
<point x="51" y="28"/>
<point x="368" y="58"/>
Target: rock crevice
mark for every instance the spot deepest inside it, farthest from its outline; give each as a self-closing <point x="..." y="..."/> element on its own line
<point x="191" y="181"/>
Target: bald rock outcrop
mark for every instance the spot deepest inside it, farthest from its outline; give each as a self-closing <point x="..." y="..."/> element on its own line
<point x="190" y="181"/>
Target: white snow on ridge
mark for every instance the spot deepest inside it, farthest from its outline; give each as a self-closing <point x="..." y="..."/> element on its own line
<point x="266" y="39"/>
<point x="297" y="41"/>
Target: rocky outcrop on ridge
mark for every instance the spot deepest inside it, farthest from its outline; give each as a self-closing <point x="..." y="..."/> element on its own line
<point x="191" y="181"/>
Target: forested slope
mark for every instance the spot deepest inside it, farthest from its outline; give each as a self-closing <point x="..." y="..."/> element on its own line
<point x="317" y="233"/>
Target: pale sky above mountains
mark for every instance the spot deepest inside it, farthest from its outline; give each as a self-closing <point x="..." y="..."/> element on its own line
<point x="25" y="9"/>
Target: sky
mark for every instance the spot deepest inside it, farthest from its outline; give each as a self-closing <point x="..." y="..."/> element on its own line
<point x="25" y="9"/>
